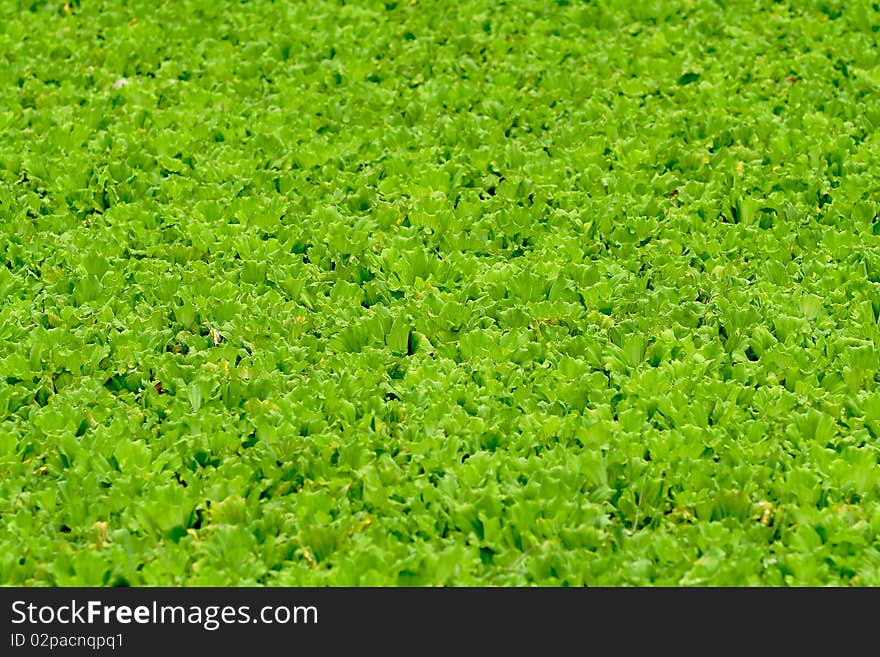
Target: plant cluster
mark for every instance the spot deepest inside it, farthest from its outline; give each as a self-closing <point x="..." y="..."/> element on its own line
<point x="430" y="293"/>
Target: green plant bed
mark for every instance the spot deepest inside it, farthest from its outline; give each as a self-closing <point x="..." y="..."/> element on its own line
<point x="429" y="293"/>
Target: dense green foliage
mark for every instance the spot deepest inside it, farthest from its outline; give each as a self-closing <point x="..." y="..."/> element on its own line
<point x="424" y="292"/>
